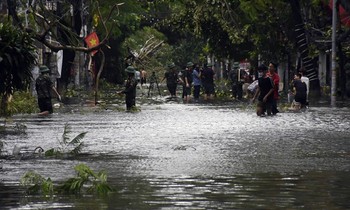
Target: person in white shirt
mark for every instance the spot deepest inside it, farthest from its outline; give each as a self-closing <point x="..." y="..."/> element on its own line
<point x="307" y="82"/>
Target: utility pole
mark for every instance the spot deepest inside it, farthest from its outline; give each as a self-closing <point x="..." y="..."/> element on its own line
<point x="334" y="55"/>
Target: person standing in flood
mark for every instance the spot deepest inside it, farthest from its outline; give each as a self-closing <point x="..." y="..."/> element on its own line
<point x="236" y="84"/>
<point x="130" y="88"/>
<point x="272" y="73"/>
<point x="264" y="92"/>
<point x="186" y="81"/>
<point x="143" y="76"/>
<point x="171" y="78"/>
<point x="208" y="82"/>
<point x="306" y="80"/>
<point x="300" y="93"/>
<point x="43" y="86"/>
<point x="196" y="75"/>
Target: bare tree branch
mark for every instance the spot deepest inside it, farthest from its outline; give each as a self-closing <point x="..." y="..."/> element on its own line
<point x="47" y="26"/>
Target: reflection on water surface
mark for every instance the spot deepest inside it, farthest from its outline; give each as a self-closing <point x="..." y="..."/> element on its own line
<point x="177" y="156"/>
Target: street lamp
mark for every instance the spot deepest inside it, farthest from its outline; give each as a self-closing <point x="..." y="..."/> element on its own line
<point x="334" y="54"/>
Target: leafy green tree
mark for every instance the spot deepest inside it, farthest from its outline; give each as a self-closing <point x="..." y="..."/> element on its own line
<point x="17" y="57"/>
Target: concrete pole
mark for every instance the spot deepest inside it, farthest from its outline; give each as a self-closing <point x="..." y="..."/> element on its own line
<point x="334" y="55"/>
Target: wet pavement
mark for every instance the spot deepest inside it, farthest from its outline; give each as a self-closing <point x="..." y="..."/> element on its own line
<point x="192" y="156"/>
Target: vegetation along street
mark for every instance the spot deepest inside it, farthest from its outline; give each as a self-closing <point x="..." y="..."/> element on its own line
<point x="163" y="104"/>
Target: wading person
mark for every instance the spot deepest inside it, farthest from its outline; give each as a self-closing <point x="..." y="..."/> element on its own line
<point x="43" y="86"/>
<point x="300" y="93"/>
<point x="187" y="79"/>
<point x="208" y="81"/>
<point x="130" y="88"/>
<point x="197" y="83"/>
<point x="306" y="80"/>
<point x="276" y="82"/>
<point x="143" y="76"/>
<point x="264" y="92"/>
<point x="236" y="85"/>
<point x="171" y="78"/>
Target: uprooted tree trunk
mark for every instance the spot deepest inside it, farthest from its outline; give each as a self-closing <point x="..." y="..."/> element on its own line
<point x="97" y="79"/>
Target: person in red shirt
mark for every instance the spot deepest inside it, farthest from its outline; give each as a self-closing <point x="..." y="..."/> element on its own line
<point x="276" y="80"/>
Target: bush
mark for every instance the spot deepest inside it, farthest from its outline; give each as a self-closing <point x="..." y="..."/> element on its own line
<point x="22" y="103"/>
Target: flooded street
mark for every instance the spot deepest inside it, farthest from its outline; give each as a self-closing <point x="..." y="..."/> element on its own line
<point x="192" y="156"/>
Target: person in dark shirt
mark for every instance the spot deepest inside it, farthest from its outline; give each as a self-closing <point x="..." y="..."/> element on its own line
<point x="130" y="88"/>
<point x="171" y="78"/>
<point x="264" y="92"/>
<point x="43" y="86"/>
<point x="208" y="81"/>
<point x="186" y="81"/>
<point x="300" y="93"/>
<point x="236" y="83"/>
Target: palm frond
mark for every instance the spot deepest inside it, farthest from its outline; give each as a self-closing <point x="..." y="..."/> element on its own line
<point x="77" y="139"/>
<point x="78" y="149"/>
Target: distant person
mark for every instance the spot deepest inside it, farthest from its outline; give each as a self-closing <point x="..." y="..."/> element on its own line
<point x="186" y="80"/>
<point x="171" y="78"/>
<point x="247" y="80"/>
<point x="306" y="80"/>
<point x="208" y="81"/>
<point x="272" y="73"/>
<point x="137" y="76"/>
<point x="130" y="88"/>
<point x="264" y="92"/>
<point x="300" y="93"/>
<point x="197" y="83"/>
<point x="143" y="76"/>
<point x="43" y="86"/>
<point x="236" y="84"/>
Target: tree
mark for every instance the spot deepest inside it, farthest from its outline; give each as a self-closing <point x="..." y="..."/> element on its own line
<point x="17" y="57"/>
<point x="57" y="29"/>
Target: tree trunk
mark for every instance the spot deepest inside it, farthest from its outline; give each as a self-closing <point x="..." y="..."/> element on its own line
<point x="12" y="5"/>
<point x="99" y="75"/>
<point x="69" y="55"/>
<point x="309" y="63"/>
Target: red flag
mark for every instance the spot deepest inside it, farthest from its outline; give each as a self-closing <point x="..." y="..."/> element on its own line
<point x="92" y="40"/>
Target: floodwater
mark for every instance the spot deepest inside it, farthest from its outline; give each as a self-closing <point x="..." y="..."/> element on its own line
<point x="191" y="156"/>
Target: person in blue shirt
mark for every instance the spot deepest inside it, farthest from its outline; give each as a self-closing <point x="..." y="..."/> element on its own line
<point x="196" y="75"/>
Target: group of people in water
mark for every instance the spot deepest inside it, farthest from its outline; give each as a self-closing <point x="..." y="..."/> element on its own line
<point x="192" y="76"/>
<point x="263" y="86"/>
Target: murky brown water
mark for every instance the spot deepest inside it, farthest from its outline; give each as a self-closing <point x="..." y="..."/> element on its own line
<point x="193" y="156"/>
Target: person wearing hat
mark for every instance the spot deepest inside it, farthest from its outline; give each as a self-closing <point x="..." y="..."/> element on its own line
<point x="236" y="85"/>
<point x="208" y="81"/>
<point x="43" y="86"/>
<point x="171" y="78"/>
<point x="130" y="88"/>
<point x="264" y="92"/>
